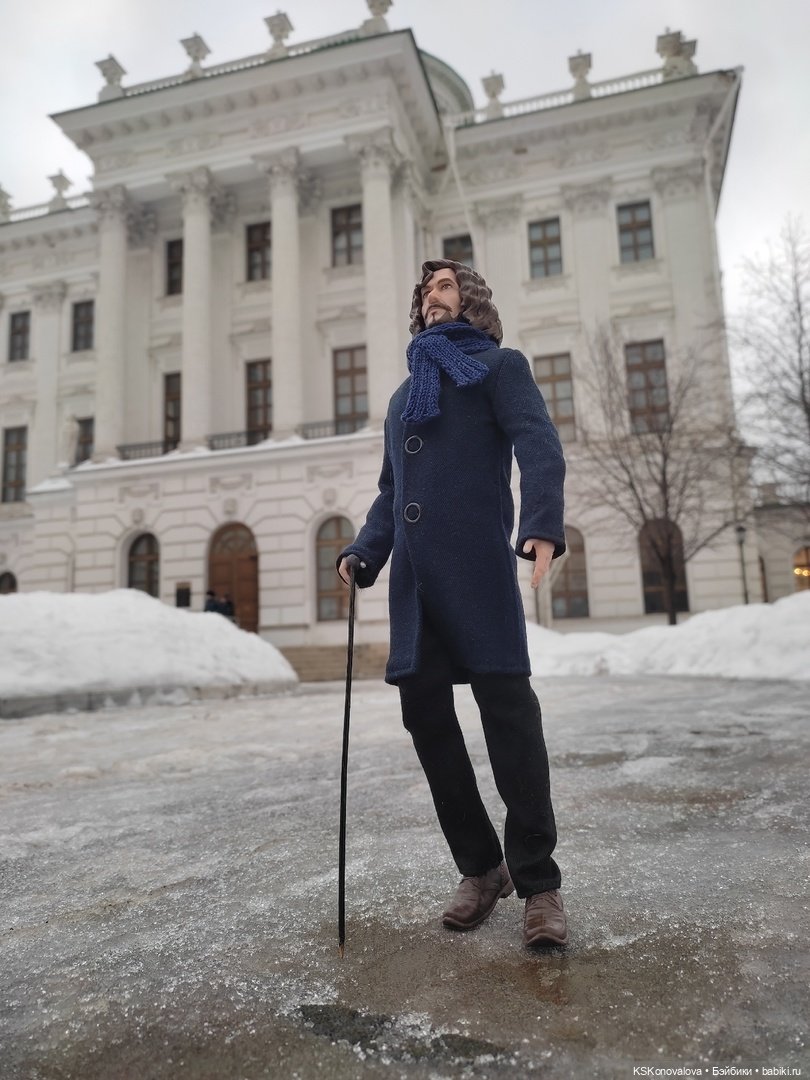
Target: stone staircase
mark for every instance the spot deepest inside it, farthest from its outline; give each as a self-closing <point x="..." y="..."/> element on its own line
<point x="321" y="663"/>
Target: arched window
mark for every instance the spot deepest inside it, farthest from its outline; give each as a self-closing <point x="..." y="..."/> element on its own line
<point x="801" y="568"/>
<point x="8" y="583"/>
<point x="660" y="543"/>
<point x="569" y="594"/>
<point x="144" y="565"/>
<point x="333" y="596"/>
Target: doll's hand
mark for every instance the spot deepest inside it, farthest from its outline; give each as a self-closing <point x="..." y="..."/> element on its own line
<point x="543" y="552"/>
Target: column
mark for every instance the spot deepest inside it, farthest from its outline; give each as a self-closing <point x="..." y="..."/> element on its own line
<point x="42" y="439"/>
<point x="197" y="189"/>
<point x="385" y="311"/>
<point x="284" y="176"/>
<point x="112" y="207"/>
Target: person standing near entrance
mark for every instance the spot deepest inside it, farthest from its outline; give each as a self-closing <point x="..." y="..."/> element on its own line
<point x="445" y="511"/>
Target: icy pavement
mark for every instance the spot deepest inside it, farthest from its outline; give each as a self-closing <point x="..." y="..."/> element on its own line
<point x="168" y="892"/>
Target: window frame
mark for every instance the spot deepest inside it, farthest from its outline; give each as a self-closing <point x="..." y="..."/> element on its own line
<point x="347" y="221"/>
<point x="335" y="592"/>
<point x="542" y="245"/>
<point x="173" y="266"/>
<point x="83" y="326"/>
<point x="259" y="431"/>
<point x="632" y="252"/>
<point x="566" y="591"/>
<point x="149" y="560"/>
<point x="172" y="418"/>
<point x="263" y="247"/>
<point x="85" y="443"/>
<point x="14" y="468"/>
<point x="549" y="383"/>
<point x="449" y="252"/>
<point x="350" y="421"/>
<point x="652" y="579"/>
<point x="19" y="341"/>
<point x="652" y="416"/>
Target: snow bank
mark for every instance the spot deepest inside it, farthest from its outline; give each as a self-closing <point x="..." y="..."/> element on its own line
<point x="60" y="643"/>
<point x="753" y="641"/>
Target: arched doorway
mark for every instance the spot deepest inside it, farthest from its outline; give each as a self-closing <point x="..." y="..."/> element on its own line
<point x="233" y="571"/>
<point x="143" y="565"/>
<point x="8" y="583"/>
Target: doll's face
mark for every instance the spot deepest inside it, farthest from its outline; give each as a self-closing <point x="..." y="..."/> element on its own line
<point x="441" y="298"/>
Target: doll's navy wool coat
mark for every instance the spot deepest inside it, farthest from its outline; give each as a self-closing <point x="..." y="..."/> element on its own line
<point x="445" y="511"/>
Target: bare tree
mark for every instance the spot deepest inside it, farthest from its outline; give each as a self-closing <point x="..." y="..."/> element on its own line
<point x="665" y="456"/>
<point x="772" y="339"/>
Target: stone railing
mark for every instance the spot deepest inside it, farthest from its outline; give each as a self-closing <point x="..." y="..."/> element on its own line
<point x="23" y="213"/>
<point x="229" y="440"/>
<point x="326" y="429"/>
<point x="242" y="65"/>
<point x="553" y="100"/>
<point x="135" y="451"/>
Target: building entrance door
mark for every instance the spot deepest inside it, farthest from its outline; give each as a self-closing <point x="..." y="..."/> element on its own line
<point x="233" y="571"/>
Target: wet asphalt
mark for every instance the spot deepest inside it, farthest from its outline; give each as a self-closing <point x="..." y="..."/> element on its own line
<point x="168" y="893"/>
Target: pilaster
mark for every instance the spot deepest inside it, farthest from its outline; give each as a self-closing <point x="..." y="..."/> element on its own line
<point x="48" y="301"/>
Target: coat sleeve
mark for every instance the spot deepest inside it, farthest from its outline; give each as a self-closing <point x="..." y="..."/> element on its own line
<point x="522" y="414"/>
<point x="376" y="538"/>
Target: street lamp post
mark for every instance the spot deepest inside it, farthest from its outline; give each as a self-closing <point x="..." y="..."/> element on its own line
<point x="740" y="530"/>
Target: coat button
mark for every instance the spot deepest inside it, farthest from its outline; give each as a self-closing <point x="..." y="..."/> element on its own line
<point x="413" y="444"/>
<point x="412" y="512"/>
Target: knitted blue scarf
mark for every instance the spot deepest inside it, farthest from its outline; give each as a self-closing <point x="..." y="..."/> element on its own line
<point x="447" y="346"/>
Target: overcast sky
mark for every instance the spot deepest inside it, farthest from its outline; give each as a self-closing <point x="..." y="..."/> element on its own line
<point x="47" y="64"/>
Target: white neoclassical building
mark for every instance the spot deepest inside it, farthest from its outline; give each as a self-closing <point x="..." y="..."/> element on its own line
<point x="197" y="355"/>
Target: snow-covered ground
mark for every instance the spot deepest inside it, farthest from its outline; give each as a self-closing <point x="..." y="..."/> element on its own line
<point x="752" y="641"/>
<point x="59" y="643"/>
<point x="63" y="643"/>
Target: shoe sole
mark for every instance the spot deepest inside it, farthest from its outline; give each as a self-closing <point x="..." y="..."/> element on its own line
<point x="450" y="924"/>
<point x="545" y="939"/>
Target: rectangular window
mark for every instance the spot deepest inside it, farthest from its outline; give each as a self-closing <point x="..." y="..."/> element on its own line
<point x="19" y="337"/>
<point x="15" y="442"/>
<point x="351" y="395"/>
<point x="459" y="249"/>
<point x="553" y="375"/>
<point x="174" y="267"/>
<point x="545" y="248"/>
<point x="259" y="399"/>
<point x="84" y="444"/>
<point x="258" y="252"/>
<point x="83" y="320"/>
<point x="347" y="235"/>
<point x="647" y="386"/>
<point x="171" y="411"/>
<point x="635" y="232"/>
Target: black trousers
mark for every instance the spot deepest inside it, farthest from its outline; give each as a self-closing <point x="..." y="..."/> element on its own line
<point x="512" y="722"/>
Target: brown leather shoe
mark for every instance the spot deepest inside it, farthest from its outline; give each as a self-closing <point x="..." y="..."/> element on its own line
<point x="544" y="922"/>
<point x="476" y="897"/>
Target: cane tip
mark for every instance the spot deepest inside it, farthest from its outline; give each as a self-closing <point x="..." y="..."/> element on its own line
<point x="341" y="949"/>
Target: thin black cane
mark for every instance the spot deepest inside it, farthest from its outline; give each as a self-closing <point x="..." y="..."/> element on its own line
<point x="344" y="767"/>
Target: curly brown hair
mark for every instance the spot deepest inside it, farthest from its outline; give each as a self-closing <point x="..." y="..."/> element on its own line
<point x="476" y="299"/>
